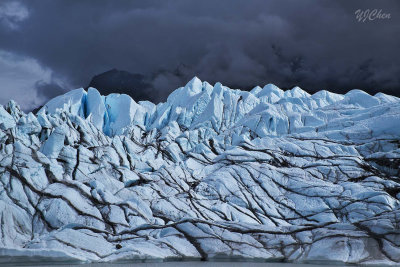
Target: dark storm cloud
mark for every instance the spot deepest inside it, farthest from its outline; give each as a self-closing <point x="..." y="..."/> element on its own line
<point x="48" y="90"/>
<point x="313" y="44"/>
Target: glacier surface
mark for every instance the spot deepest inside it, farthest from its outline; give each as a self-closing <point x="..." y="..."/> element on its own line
<point x="211" y="173"/>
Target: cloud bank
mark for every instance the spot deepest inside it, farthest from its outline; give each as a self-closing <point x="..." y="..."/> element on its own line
<point x="313" y="44"/>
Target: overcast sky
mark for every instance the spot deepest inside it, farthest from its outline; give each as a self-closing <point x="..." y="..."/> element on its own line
<point x="49" y="47"/>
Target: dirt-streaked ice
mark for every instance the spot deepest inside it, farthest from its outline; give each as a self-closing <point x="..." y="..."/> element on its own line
<point x="211" y="173"/>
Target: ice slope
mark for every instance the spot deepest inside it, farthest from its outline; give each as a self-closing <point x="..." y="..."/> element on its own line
<point x="211" y="173"/>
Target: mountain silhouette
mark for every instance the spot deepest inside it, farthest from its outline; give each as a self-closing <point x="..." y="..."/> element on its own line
<point x="123" y="82"/>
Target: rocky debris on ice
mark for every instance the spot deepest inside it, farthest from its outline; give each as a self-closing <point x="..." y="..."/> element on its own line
<point x="211" y="173"/>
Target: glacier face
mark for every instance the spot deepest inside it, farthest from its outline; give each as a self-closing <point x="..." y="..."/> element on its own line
<point x="211" y="173"/>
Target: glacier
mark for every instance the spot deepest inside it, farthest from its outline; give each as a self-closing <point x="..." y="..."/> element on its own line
<point x="212" y="173"/>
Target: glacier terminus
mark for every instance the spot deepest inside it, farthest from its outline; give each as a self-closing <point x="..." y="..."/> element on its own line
<point x="212" y="173"/>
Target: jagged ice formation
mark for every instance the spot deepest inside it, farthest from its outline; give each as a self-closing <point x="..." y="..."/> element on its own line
<point x="213" y="172"/>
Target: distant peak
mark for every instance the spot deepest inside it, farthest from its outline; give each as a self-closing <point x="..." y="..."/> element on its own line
<point x="123" y="82"/>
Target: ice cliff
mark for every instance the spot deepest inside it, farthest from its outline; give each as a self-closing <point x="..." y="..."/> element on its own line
<point x="211" y="173"/>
